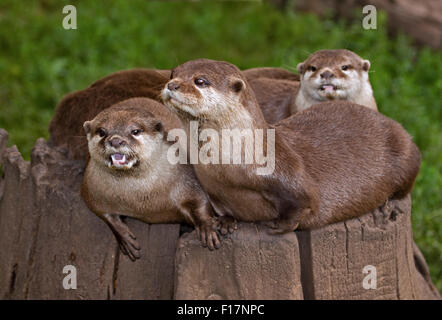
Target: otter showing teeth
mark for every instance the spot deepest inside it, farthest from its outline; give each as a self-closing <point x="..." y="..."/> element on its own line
<point x="128" y="173"/>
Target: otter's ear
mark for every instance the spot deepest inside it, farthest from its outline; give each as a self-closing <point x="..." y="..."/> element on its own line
<point x="236" y="84"/>
<point x="87" y="127"/>
<point x="365" y="65"/>
<point x="300" y="67"/>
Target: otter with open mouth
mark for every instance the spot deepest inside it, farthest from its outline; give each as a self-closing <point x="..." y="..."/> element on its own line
<point x="128" y="174"/>
<point x="334" y="75"/>
<point x="334" y="161"/>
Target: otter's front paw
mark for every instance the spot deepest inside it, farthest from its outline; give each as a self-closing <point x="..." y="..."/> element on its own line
<point x="208" y="235"/>
<point x="129" y="245"/>
<point x="277" y="226"/>
<point x="226" y="224"/>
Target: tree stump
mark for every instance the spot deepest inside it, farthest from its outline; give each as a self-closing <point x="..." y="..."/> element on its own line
<point x="250" y="265"/>
<point x="333" y="258"/>
<point x="45" y="226"/>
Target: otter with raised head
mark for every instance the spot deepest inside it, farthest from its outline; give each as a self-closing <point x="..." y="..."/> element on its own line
<point x="128" y="174"/>
<point x="334" y="161"/>
<point x="334" y="75"/>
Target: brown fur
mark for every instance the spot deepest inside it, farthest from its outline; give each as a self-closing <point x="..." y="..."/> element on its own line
<point x="270" y="73"/>
<point x="276" y="97"/>
<point x="152" y="190"/>
<point x="334" y="161"/>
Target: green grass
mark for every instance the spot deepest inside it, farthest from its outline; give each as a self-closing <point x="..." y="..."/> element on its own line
<point x="40" y="62"/>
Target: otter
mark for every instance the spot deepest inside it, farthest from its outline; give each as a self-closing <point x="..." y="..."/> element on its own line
<point x="333" y="161"/>
<point x="325" y="75"/>
<point x="128" y="174"/>
<point x="334" y="75"/>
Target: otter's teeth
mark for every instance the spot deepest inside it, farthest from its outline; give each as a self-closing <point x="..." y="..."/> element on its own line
<point x="118" y="158"/>
<point x="327" y="87"/>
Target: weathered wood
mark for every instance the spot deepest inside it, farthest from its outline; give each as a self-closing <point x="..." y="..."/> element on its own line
<point x="3" y="143"/>
<point x="45" y="225"/>
<point x="3" y="146"/>
<point x="151" y="277"/>
<point x="16" y="229"/>
<point x="333" y="258"/>
<point x="251" y="264"/>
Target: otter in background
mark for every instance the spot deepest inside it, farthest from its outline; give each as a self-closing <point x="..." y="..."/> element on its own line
<point x="334" y="75"/>
<point x="276" y="97"/>
<point x="326" y="75"/>
<point x="270" y="73"/>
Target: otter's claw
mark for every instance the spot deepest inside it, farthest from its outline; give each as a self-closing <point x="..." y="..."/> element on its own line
<point x="129" y="245"/>
<point x="126" y="239"/>
<point x="278" y="226"/>
<point x="226" y="224"/>
<point x="208" y="236"/>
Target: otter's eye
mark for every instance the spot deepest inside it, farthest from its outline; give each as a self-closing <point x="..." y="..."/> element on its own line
<point x="136" y="132"/>
<point x="312" y="68"/>
<point x="101" y="132"/>
<point x="201" y="82"/>
<point x="345" y="67"/>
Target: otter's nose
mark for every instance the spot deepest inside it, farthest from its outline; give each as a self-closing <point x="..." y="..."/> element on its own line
<point x="116" y="142"/>
<point x="173" y="86"/>
<point x="327" y="75"/>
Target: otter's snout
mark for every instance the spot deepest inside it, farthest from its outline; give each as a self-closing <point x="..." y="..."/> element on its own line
<point x="327" y="75"/>
<point x="173" y="86"/>
<point x="116" y="142"/>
